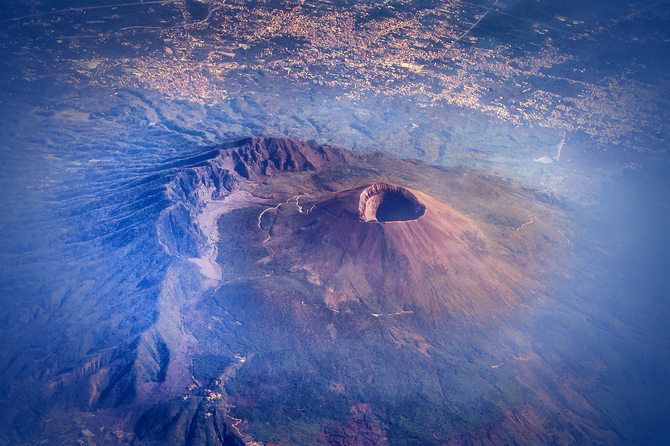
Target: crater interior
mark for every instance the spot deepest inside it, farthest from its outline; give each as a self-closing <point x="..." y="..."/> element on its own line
<point x="382" y="202"/>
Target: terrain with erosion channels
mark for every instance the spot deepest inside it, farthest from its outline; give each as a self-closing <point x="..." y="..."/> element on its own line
<point x="283" y="293"/>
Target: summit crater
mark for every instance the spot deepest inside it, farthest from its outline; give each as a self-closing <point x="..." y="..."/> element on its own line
<point x="382" y="202"/>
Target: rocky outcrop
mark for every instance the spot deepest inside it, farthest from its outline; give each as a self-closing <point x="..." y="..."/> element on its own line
<point x="195" y="186"/>
<point x="265" y="156"/>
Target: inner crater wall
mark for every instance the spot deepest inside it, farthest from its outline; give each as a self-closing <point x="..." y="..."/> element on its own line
<point x="383" y="202"/>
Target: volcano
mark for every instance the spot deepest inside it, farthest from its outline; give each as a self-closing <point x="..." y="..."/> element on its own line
<point x="394" y="250"/>
<point x="359" y="301"/>
<point x="302" y="295"/>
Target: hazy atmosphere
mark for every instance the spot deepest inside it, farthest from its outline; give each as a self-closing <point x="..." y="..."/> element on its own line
<point x="334" y="222"/>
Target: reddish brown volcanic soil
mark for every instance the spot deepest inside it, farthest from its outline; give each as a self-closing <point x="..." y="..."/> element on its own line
<point x="396" y="249"/>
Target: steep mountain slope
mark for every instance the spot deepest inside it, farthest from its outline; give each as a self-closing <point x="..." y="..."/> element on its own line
<point x="397" y="249"/>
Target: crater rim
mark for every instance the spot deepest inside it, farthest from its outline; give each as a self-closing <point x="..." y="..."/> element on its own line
<point x="387" y="203"/>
